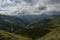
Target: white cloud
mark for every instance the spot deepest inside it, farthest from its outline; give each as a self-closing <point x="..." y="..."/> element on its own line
<point x="32" y="7"/>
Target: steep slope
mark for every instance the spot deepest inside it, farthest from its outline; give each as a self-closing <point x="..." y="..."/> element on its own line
<point x="46" y="22"/>
<point x="53" y="35"/>
<point x="52" y="24"/>
<point x="11" y="36"/>
<point x="41" y="28"/>
<point x="10" y="23"/>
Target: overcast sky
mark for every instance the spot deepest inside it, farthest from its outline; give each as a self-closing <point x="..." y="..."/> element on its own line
<point x="9" y="7"/>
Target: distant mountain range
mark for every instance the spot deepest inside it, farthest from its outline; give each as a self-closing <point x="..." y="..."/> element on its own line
<point x="29" y="18"/>
<point x="21" y="20"/>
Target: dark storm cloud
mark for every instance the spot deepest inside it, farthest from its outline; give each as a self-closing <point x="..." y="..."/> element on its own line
<point x="53" y="1"/>
<point x="29" y="1"/>
<point x="41" y="7"/>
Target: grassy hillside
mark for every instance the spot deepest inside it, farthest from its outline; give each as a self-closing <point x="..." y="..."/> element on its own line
<point x="42" y="28"/>
<point x="10" y="23"/>
<point x="53" y="35"/>
<point x="11" y="36"/>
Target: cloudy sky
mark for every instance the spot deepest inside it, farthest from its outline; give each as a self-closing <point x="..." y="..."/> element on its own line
<point x="13" y="7"/>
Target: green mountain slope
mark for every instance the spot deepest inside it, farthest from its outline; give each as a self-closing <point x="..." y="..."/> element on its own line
<point x="53" y="35"/>
<point x="10" y="23"/>
<point x="52" y="24"/>
<point x="41" y="28"/>
<point x="11" y="36"/>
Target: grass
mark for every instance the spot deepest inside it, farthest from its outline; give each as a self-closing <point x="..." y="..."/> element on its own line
<point x="13" y="36"/>
<point x="49" y="36"/>
<point x="53" y="35"/>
